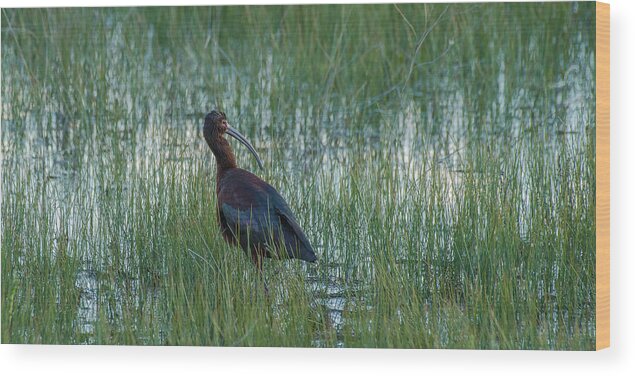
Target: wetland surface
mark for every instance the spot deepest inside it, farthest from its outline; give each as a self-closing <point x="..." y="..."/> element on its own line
<point x="441" y="159"/>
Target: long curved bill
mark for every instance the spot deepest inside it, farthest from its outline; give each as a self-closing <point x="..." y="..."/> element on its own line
<point x="235" y="134"/>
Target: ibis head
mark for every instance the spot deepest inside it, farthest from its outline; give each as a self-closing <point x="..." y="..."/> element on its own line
<point x="216" y="126"/>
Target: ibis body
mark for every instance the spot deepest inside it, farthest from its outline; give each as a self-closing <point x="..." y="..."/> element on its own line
<point x="251" y="213"/>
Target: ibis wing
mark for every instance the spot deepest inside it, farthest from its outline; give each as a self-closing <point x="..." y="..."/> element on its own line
<point x="295" y="241"/>
<point x="239" y="220"/>
<point x="241" y="213"/>
<point x="256" y="215"/>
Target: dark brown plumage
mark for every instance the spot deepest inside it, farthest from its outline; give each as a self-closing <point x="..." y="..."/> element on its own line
<point x="251" y="213"/>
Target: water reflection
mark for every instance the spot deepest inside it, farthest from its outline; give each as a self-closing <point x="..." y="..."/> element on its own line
<point x="86" y="282"/>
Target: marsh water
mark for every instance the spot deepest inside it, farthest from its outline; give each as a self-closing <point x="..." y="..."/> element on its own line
<point x="439" y="157"/>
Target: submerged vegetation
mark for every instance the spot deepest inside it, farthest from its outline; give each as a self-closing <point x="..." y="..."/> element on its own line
<point x="441" y="158"/>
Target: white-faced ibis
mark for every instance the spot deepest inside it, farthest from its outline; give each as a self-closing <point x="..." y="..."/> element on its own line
<point x="251" y="213"/>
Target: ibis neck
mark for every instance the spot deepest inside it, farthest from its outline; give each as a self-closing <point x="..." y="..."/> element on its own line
<point x="225" y="158"/>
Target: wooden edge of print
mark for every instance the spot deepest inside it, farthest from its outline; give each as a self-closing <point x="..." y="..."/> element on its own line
<point x="602" y="171"/>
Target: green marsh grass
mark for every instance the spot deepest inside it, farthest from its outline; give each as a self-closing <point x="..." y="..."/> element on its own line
<point x="441" y="159"/>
